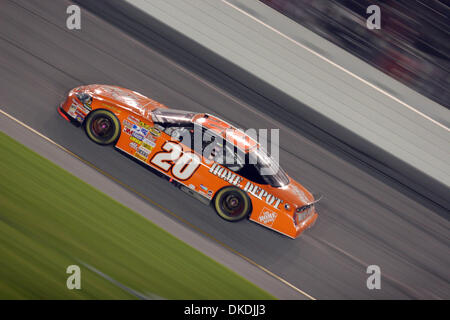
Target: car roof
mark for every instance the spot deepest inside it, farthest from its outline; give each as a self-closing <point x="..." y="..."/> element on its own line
<point x="227" y="131"/>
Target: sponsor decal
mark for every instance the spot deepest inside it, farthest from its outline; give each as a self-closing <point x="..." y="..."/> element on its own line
<point x="72" y="110"/>
<point x="127" y="124"/>
<point x="151" y="138"/>
<point x="139" y="142"/>
<point x="134" y="145"/>
<point x="86" y="108"/>
<point x="128" y="131"/>
<point x="159" y="127"/>
<point x="203" y="190"/>
<point x="150" y="142"/>
<point x="80" y="114"/>
<point x="139" y="130"/>
<point x="81" y="107"/>
<point x="146" y="143"/>
<point x="206" y="195"/>
<point x="140" y="156"/>
<point x="154" y="131"/>
<point x="137" y="136"/>
<point x="144" y="132"/>
<point x="226" y="174"/>
<point x="262" y="194"/>
<point x="142" y="153"/>
<point x="250" y="188"/>
<point x="144" y="125"/>
<point x="191" y="186"/>
<point x="79" y="118"/>
<point x="75" y="103"/>
<point x="267" y="217"/>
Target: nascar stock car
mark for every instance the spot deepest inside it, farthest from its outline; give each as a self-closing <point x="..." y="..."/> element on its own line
<point x="155" y="135"/>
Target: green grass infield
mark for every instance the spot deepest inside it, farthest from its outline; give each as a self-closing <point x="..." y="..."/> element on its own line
<point x="50" y="220"/>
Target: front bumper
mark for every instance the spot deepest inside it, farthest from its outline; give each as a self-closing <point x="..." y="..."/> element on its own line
<point x="67" y="117"/>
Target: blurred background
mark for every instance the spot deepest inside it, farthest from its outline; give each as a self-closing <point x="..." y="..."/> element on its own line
<point x="412" y="45"/>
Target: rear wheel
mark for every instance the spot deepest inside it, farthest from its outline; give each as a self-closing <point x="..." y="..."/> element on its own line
<point x="102" y="127"/>
<point x="232" y="204"/>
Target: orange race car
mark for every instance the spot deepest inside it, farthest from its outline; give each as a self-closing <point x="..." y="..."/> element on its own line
<point x="251" y="185"/>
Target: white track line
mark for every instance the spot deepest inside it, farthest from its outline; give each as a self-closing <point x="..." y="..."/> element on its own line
<point x="32" y="130"/>
<point x="338" y="66"/>
<point x="137" y="294"/>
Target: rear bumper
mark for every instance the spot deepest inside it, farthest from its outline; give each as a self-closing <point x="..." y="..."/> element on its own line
<point x="308" y="223"/>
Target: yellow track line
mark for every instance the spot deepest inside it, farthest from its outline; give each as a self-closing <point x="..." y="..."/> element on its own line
<point x="184" y="221"/>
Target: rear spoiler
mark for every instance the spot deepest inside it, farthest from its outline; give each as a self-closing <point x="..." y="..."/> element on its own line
<point x="315" y="201"/>
<point x="309" y="205"/>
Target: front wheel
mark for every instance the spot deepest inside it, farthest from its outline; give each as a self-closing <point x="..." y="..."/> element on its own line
<point x="232" y="204"/>
<point x="102" y="127"/>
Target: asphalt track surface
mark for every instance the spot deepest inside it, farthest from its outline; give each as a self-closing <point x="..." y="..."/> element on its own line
<point x="146" y="207"/>
<point x="364" y="219"/>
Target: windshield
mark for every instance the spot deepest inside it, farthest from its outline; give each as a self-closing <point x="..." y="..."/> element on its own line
<point x="269" y="169"/>
<point x="172" y="117"/>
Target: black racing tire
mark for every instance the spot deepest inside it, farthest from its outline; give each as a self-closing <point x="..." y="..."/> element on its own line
<point x="232" y="204"/>
<point x="102" y="127"/>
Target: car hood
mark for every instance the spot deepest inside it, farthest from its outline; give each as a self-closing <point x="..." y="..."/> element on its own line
<point x="125" y="98"/>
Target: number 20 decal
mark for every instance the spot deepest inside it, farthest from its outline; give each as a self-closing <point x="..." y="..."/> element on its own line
<point x="183" y="164"/>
